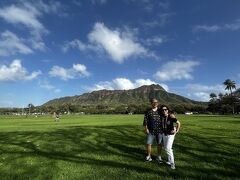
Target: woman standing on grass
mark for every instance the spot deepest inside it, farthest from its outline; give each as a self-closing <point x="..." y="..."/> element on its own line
<point x="169" y="131"/>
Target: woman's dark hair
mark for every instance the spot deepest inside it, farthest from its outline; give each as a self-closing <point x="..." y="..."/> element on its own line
<point x="162" y="106"/>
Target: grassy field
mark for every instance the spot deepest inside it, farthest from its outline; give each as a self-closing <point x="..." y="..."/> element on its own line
<point x="113" y="147"/>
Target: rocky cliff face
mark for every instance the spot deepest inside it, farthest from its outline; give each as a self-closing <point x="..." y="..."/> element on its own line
<point x="139" y="95"/>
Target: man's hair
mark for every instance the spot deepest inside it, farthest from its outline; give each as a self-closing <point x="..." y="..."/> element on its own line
<point x="153" y="99"/>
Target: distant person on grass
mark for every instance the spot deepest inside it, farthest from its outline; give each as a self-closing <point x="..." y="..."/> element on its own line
<point x="169" y="132"/>
<point x="153" y="130"/>
<point x="57" y="117"/>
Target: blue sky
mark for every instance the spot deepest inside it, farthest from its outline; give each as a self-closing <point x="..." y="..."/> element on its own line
<point x="51" y="49"/>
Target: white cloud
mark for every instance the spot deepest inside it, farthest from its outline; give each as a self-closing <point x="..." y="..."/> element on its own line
<point x="213" y="28"/>
<point x="124" y="84"/>
<point x="154" y="41"/>
<point x="119" y="45"/>
<point x="25" y="15"/>
<point x="206" y="28"/>
<point x="61" y="72"/>
<point x="78" y="45"/>
<point x="164" y="86"/>
<point x="28" y="14"/>
<point x="78" y="70"/>
<point x="206" y="88"/>
<point x="37" y="44"/>
<point x="201" y="92"/>
<point x="10" y="44"/>
<point x="49" y="7"/>
<point x="77" y="2"/>
<point x="93" y="2"/>
<point x="201" y="96"/>
<point x="150" y="5"/>
<point x="141" y="82"/>
<point x="74" y="44"/>
<point x="164" y="5"/>
<point x="15" y="72"/>
<point x="46" y="85"/>
<point x="102" y="85"/>
<point x="176" y="70"/>
<point x="159" y="21"/>
<point x="98" y="1"/>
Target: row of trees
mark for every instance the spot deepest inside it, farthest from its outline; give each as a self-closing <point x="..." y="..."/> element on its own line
<point x="228" y="103"/>
<point x="100" y="109"/>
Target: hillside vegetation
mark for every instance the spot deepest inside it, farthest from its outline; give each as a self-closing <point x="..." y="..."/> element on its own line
<point x="136" y="96"/>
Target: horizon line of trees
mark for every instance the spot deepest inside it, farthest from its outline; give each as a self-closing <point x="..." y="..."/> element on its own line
<point x="68" y="108"/>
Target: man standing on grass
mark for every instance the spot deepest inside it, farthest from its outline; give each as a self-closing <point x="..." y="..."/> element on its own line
<point x="153" y="130"/>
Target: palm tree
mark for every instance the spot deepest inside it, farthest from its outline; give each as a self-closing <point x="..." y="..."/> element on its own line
<point x="220" y="95"/>
<point x="29" y="108"/>
<point x="213" y="96"/>
<point x="230" y="85"/>
<point x="212" y="105"/>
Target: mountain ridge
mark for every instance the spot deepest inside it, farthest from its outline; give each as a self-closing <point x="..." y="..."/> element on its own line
<point x="140" y="95"/>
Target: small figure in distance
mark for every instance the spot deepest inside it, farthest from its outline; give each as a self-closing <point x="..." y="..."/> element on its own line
<point x="57" y="117"/>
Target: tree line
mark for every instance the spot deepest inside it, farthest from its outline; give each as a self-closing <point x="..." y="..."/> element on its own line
<point x="228" y="103"/>
<point x="68" y="108"/>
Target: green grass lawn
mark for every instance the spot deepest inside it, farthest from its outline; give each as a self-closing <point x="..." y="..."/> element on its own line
<point x="113" y="147"/>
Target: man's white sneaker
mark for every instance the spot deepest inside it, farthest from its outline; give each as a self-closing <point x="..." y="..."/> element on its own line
<point x="148" y="158"/>
<point x="173" y="166"/>
<point x="159" y="159"/>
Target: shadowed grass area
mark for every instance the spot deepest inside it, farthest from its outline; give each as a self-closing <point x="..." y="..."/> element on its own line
<point x="113" y="147"/>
